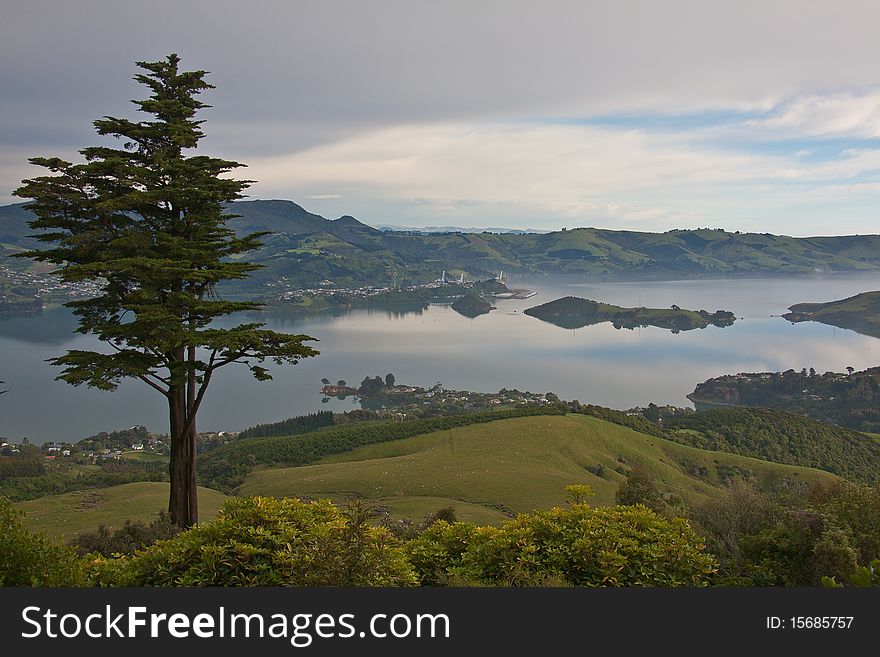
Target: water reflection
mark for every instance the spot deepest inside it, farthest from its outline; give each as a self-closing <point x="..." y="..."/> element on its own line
<point x="423" y="344"/>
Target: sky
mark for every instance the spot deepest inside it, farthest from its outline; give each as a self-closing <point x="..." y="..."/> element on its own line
<point x="750" y="115"/>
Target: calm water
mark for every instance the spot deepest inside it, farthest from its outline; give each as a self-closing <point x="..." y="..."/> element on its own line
<point x="598" y="364"/>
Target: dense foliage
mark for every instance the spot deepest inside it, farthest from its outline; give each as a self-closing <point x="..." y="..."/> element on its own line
<point x="226" y="467"/>
<point x="791" y="540"/>
<point x="28" y="559"/>
<point x="781" y="437"/>
<point x="635" y="422"/>
<point x="128" y="539"/>
<point x="848" y="400"/>
<point x="268" y="542"/>
<point x="291" y="426"/>
<point x="575" y="546"/>
<point x="11" y="467"/>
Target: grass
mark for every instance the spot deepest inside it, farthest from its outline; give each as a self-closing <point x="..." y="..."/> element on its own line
<point x="65" y="516"/>
<point x="145" y="457"/>
<point x="512" y="466"/>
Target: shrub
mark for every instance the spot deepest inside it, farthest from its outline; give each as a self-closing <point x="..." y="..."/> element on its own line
<point x="575" y="546"/>
<point x="639" y="488"/>
<point x="131" y="537"/>
<point x="28" y="559"/>
<point x="268" y="542"/>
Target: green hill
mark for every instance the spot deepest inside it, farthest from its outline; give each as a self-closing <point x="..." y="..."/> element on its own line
<point x="65" y="516"/>
<point x="305" y="249"/>
<point x="491" y="470"/>
<point x="781" y="437"/>
<point x="860" y="313"/>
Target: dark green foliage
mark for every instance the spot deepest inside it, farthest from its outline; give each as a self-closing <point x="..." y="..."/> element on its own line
<point x="635" y="422"/>
<point x="782" y="438"/>
<point x="575" y="546"/>
<point x="407" y="528"/>
<point x="267" y="542"/>
<point x="639" y="488"/>
<point x="290" y="427"/>
<point x="28" y="559"/>
<point x="11" y="467"/>
<point x="119" y="439"/>
<point x="848" y="400"/>
<point x="131" y="537"/>
<point x="864" y="577"/>
<point x="226" y="467"/>
<point x="790" y="540"/>
<point x="371" y="387"/>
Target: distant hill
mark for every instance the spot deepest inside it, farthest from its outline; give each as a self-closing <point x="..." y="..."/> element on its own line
<point x="306" y="249"/>
<point x="860" y="313"/>
<point x="427" y="230"/>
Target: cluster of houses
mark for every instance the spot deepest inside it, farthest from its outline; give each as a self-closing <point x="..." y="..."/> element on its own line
<point x="48" y="286"/>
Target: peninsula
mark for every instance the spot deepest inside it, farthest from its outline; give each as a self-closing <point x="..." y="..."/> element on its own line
<point x="860" y="313"/>
<point x="574" y="312"/>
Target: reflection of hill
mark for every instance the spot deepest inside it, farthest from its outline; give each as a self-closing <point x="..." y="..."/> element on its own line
<point x="574" y="312"/>
<point x="860" y="313"/>
<point x="54" y="326"/>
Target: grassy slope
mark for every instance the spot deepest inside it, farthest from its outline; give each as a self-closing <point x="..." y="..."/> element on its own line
<point x="860" y="313"/>
<point x="71" y="513"/>
<point x="508" y="465"/>
<point x="145" y="457"/>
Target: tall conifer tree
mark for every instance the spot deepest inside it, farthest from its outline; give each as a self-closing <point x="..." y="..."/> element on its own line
<point x="148" y="222"/>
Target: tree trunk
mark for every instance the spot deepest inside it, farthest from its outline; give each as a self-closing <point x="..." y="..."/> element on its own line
<point x="179" y="467"/>
<point x="191" y="438"/>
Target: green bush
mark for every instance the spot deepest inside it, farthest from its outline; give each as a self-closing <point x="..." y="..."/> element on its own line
<point x="263" y="541"/>
<point x="28" y="559"/>
<point x="864" y="577"/>
<point x="134" y="535"/>
<point x="575" y="546"/>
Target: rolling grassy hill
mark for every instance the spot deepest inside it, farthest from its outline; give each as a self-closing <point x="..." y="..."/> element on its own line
<point x="65" y="516"/>
<point x="491" y="470"/>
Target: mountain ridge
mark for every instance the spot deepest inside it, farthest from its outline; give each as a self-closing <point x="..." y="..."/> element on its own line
<point x="307" y="250"/>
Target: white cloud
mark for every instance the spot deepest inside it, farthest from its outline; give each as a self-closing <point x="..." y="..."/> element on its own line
<point x="572" y="174"/>
<point x="823" y="115"/>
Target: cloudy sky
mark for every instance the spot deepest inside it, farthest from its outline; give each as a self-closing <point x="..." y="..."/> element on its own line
<point x="749" y="115"/>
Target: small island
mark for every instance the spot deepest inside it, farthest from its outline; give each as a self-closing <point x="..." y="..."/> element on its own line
<point x="574" y="312"/>
<point x="859" y="313"/>
<point x="472" y="305"/>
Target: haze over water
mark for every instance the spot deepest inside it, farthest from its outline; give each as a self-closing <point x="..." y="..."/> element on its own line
<point x="504" y="349"/>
